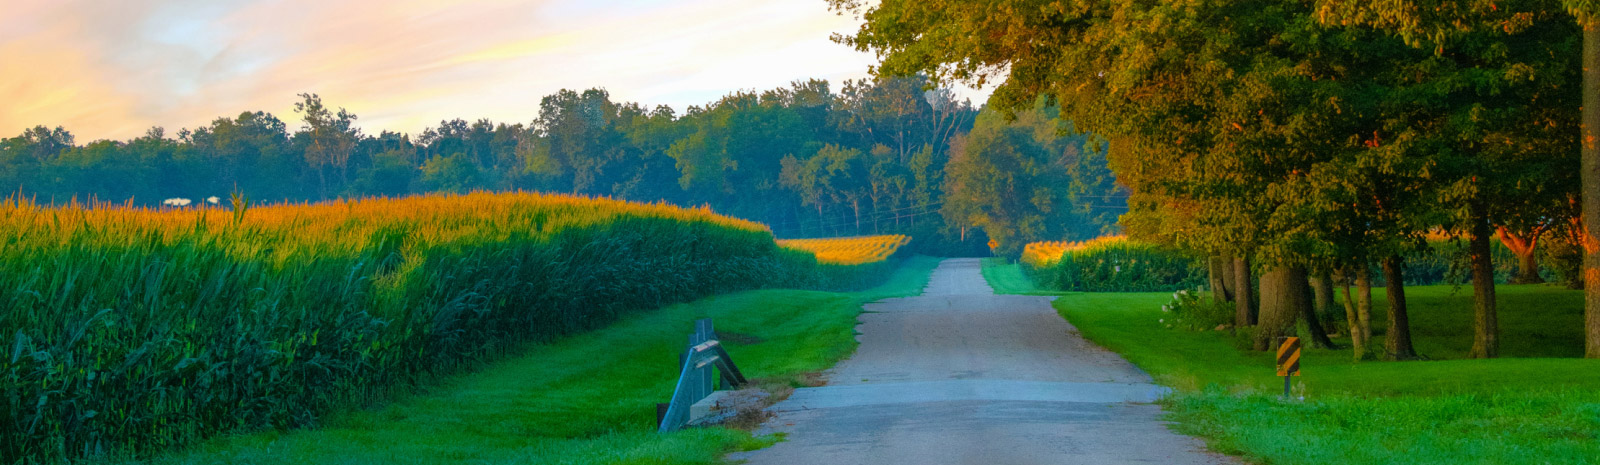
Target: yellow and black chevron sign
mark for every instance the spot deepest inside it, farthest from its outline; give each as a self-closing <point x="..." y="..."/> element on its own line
<point x="1289" y="357"/>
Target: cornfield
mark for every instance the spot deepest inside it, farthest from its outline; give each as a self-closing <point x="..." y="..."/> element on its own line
<point x="849" y="250"/>
<point x="1044" y="254"/>
<point x="1110" y="264"/>
<point x="132" y="330"/>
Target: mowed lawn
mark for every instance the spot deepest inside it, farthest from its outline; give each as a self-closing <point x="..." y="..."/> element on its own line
<point x="588" y="399"/>
<point x="1527" y="408"/>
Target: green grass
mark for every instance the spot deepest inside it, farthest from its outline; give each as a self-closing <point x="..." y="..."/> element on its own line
<point x="1008" y="278"/>
<point x="585" y="399"/>
<point x="1510" y="410"/>
<point x="1535" y="320"/>
<point x="1539" y="405"/>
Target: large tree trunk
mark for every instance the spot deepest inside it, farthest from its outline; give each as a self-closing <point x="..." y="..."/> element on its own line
<point x="1524" y="246"/>
<point x="1322" y="295"/>
<point x="1528" y="268"/>
<point x="1230" y="280"/>
<point x="1313" y="311"/>
<point x="1398" y="340"/>
<point x="1220" y="269"/>
<point x="1352" y="321"/>
<point x="1575" y="232"/>
<point x="1485" y="327"/>
<point x="1285" y="295"/>
<point x="1591" y="184"/>
<point x="1244" y="302"/>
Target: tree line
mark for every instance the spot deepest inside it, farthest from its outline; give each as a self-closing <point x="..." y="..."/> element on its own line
<point x="876" y="157"/>
<point x="1306" y="144"/>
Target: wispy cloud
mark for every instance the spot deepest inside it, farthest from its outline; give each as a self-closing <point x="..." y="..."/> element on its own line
<point x="111" y="71"/>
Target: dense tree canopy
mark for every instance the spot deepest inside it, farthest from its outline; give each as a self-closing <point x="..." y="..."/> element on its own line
<point x="806" y="160"/>
<point x="1317" y="137"/>
<point x="1026" y="179"/>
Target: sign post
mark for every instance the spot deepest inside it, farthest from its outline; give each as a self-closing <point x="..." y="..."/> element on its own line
<point x="1288" y="361"/>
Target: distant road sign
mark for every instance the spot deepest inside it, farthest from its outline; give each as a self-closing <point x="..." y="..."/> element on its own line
<point x="1289" y="357"/>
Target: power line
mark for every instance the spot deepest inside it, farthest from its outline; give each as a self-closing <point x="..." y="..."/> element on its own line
<point x="849" y="221"/>
<point x="1122" y="195"/>
<point x="832" y="222"/>
<point x="850" y="217"/>
<point x="847" y="218"/>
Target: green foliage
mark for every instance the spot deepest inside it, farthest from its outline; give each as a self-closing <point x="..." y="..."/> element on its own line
<point x="328" y="139"/>
<point x="1562" y="257"/>
<point x="1121" y="266"/>
<point x="833" y="177"/>
<point x="1324" y="134"/>
<point x="1020" y="180"/>
<point x="1445" y="262"/>
<point x="453" y="174"/>
<point x="392" y="175"/>
<point x="132" y="331"/>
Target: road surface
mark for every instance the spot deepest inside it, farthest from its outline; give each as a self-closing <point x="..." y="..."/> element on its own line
<point x="960" y="375"/>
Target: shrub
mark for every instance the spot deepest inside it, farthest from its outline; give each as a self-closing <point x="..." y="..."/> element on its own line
<point x="1563" y="258"/>
<point x="1189" y="310"/>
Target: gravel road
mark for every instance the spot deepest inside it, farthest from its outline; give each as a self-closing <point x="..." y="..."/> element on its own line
<point x="960" y="375"/>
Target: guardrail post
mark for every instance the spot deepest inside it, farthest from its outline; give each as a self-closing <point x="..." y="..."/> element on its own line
<point x="692" y="377"/>
<point x="707" y="377"/>
<point x="704" y="358"/>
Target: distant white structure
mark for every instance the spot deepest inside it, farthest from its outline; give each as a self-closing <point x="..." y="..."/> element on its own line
<point x="177" y="202"/>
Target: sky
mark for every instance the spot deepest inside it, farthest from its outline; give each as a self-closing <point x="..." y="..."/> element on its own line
<point x="111" y="69"/>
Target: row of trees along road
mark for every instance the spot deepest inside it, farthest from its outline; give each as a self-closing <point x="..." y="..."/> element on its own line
<point x="876" y="157"/>
<point x="1314" y="140"/>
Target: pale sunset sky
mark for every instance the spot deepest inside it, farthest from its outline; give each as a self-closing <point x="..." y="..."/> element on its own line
<point x="114" y="68"/>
